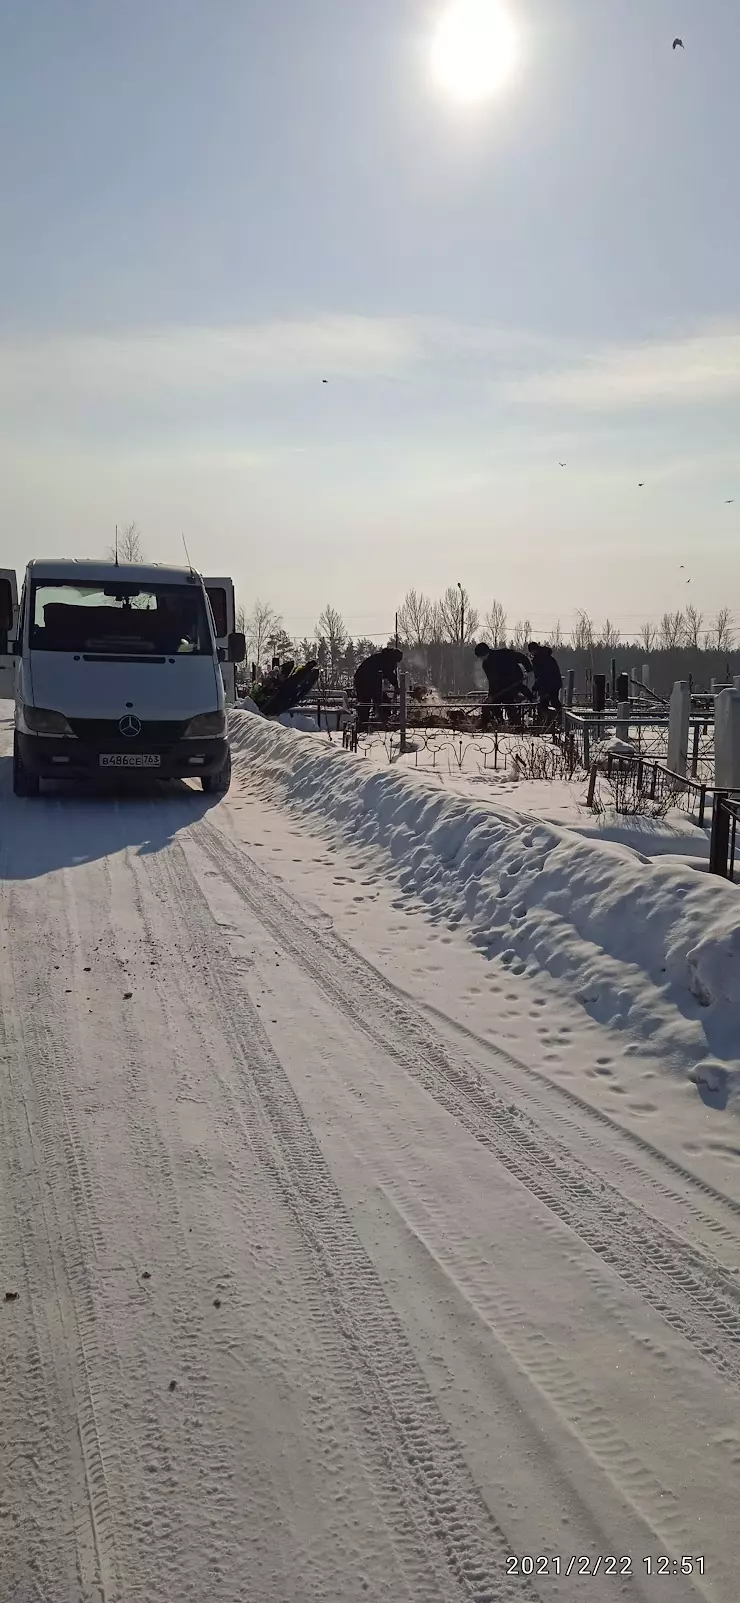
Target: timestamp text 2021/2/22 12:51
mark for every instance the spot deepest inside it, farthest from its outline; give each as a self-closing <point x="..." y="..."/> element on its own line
<point x="620" y="1565"/>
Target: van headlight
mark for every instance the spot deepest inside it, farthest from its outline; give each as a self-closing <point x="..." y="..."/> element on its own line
<point x="207" y="726"/>
<point x="42" y="721"/>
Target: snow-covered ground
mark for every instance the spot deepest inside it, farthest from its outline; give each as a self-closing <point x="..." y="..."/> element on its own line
<point x="361" y="1225"/>
<point x="478" y="769"/>
<point x="607" y="907"/>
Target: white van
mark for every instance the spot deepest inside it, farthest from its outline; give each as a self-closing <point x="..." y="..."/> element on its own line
<point x="116" y="667"/>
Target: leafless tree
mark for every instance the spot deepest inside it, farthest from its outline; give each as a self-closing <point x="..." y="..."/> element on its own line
<point x="263" y="621"/>
<point x="332" y="629"/>
<point x="241" y="619"/>
<point x="648" y="637"/>
<point x="459" y="617"/>
<point x="415" y="619"/>
<point x="127" y="546"/>
<point x="583" y="633"/>
<point x="672" y="626"/>
<point x="610" y="636"/>
<point x="522" y="634"/>
<point x="692" y="623"/>
<point x="556" y="637"/>
<point x="494" y="625"/>
<point x="724" y="631"/>
<point x="437" y="630"/>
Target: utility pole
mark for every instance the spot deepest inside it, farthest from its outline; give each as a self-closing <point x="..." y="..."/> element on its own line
<point x="396" y="631"/>
<point x="462" y="613"/>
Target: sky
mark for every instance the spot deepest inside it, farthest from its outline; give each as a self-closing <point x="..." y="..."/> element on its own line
<point x="208" y="209"/>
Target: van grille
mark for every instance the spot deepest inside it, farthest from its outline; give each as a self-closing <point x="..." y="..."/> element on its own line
<point x="105" y="732"/>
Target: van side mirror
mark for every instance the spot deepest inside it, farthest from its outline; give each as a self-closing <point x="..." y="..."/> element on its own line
<point x="237" y="648"/>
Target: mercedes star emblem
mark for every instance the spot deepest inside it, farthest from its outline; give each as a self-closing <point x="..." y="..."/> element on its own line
<point x="130" y="726"/>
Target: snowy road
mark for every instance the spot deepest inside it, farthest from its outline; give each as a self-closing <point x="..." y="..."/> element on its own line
<point x="316" y="1293"/>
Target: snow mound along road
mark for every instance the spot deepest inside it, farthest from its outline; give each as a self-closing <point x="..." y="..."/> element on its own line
<point x="648" y="948"/>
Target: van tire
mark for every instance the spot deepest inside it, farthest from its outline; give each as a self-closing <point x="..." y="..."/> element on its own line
<point x="218" y="784"/>
<point x="24" y="782"/>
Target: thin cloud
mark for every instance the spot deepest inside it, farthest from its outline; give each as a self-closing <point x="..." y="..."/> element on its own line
<point x="199" y="360"/>
<point x="692" y="370"/>
<point x="179" y="365"/>
<point x="183" y="377"/>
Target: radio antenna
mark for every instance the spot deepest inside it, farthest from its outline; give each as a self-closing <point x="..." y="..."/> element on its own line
<point x="116" y="545"/>
<point x="187" y="554"/>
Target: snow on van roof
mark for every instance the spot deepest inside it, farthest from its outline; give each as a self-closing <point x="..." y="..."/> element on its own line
<point x="85" y="571"/>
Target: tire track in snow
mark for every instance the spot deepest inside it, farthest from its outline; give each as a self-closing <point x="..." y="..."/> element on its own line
<point x="552" y="1372"/>
<point x="256" y="1195"/>
<point x="73" y="1240"/>
<point x="418" y="1457"/>
<point x="36" y="1450"/>
<point x="201" y="1495"/>
<point x="553" y="1097"/>
<point x="206" y="1494"/>
<point x="692" y="1294"/>
<point x="554" y="1101"/>
<point x="137" y="1448"/>
<point x="96" y="911"/>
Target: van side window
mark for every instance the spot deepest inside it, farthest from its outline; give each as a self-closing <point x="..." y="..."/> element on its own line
<point x="6" y="614"/>
<point x="21" y="614"/>
<point x="217" y="599"/>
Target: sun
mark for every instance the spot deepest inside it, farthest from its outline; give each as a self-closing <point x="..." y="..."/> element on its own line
<point x="475" y="49"/>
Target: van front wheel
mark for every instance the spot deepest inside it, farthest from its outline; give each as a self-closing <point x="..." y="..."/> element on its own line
<point x="24" y="782"/>
<point x="218" y="784"/>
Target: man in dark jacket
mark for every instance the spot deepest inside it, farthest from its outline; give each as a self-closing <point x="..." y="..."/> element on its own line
<point x="504" y="669"/>
<point x="548" y="680"/>
<point x="379" y="669"/>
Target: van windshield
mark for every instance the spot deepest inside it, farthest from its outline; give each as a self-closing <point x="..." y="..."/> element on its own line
<point x="120" y="620"/>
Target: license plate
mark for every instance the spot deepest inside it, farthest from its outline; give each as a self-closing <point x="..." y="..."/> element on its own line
<point x="130" y="759"/>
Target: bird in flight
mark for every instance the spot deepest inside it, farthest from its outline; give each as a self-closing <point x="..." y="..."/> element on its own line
<point x="562" y="464"/>
<point x="678" y="44"/>
<point x="641" y="486"/>
<point x="730" y="503"/>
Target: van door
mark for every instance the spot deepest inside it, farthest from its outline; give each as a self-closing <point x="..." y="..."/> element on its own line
<point x="220" y="593"/>
<point x="8" y="628"/>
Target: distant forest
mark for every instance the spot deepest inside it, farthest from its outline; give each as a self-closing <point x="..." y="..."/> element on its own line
<point x="437" y="638"/>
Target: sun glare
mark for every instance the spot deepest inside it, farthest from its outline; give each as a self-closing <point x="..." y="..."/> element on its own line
<point x="474" y="49"/>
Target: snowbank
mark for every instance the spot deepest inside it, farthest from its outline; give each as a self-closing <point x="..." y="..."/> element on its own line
<point x="302" y="721"/>
<point x="648" y="947"/>
<point x="246" y="704"/>
<point x="289" y="720"/>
